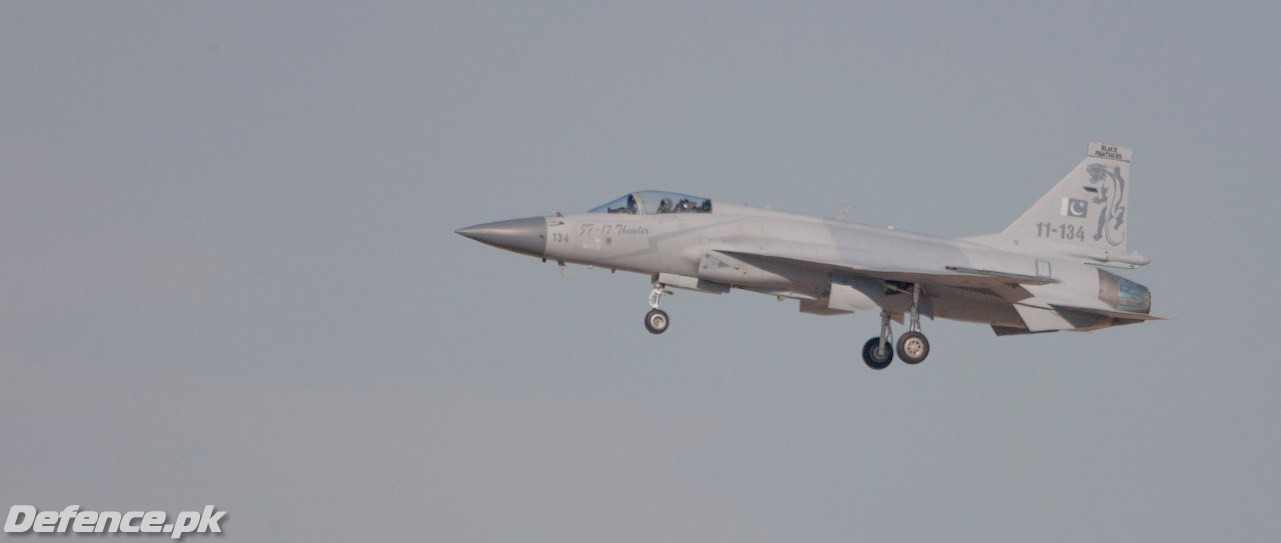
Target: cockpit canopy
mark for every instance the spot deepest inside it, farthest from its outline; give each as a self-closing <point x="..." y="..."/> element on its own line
<point x="651" y="202"/>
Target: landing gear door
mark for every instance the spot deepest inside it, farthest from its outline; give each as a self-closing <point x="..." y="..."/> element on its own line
<point x="854" y="293"/>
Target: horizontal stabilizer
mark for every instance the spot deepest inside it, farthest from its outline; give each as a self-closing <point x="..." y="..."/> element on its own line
<point x="1052" y="316"/>
<point x="1123" y="315"/>
<point x="1011" y="331"/>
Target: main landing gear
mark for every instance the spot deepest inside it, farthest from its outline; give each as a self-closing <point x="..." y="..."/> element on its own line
<point x="912" y="346"/>
<point x="656" y="320"/>
<point x="877" y="352"/>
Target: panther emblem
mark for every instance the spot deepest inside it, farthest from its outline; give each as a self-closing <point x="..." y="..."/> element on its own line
<point x="1110" y="195"/>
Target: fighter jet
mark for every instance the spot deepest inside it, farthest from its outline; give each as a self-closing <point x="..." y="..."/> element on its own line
<point x="1047" y="271"/>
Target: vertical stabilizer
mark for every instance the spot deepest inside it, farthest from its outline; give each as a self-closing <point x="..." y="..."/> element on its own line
<point x="1086" y="214"/>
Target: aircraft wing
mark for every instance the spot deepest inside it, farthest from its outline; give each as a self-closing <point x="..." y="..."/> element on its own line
<point x="952" y="276"/>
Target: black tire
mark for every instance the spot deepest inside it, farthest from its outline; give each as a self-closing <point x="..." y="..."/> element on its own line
<point x="913" y="347"/>
<point x="656" y="321"/>
<point x="870" y="351"/>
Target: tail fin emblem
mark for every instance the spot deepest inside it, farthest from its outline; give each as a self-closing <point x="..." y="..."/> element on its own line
<point x="1111" y="194"/>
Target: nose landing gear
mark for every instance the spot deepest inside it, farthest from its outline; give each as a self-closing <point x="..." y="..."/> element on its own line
<point x="656" y="320"/>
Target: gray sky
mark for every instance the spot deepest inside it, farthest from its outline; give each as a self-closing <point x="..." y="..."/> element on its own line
<point x="229" y="273"/>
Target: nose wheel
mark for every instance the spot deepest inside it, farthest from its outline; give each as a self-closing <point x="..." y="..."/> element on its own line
<point x="656" y="320"/>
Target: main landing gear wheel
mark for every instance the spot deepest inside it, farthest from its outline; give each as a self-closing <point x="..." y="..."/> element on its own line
<point x="656" y="321"/>
<point x="913" y="347"/>
<point x="875" y="357"/>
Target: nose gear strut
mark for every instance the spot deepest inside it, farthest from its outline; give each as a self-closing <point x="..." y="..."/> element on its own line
<point x="656" y="320"/>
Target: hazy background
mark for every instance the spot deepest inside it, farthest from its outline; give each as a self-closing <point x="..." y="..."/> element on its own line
<point x="228" y="272"/>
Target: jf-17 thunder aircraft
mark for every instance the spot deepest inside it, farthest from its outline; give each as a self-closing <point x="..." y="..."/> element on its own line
<point x="1044" y="273"/>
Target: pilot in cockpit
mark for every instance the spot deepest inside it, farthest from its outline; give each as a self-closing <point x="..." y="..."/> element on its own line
<point x="665" y="206"/>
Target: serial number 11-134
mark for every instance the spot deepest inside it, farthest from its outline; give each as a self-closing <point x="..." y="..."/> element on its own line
<point x="1060" y="231"/>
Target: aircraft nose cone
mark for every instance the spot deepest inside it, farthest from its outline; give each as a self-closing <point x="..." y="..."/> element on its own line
<point x="524" y="236"/>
